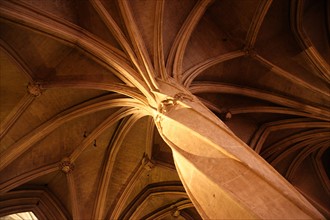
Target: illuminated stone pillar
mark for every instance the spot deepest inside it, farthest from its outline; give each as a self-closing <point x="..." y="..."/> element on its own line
<point x="223" y="177"/>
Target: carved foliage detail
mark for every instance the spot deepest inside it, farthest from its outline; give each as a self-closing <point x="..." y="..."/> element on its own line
<point x="250" y="52"/>
<point x="34" y="89"/>
<point x="66" y="166"/>
<point x="167" y="104"/>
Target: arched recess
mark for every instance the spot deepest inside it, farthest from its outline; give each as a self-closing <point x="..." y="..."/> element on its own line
<point x="306" y="43"/>
<point x="172" y="188"/>
<point x="320" y="168"/>
<point x="38" y="200"/>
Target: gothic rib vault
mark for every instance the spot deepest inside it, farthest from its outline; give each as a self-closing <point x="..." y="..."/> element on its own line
<point x="106" y="109"/>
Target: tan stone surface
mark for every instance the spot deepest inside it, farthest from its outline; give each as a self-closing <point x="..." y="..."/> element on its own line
<point x="231" y="97"/>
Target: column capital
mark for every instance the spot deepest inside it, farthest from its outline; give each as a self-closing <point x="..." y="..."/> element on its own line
<point x="176" y="212"/>
<point x="147" y="163"/>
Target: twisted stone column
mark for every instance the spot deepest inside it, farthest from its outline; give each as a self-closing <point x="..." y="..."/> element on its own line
<point x="223" y="177"/>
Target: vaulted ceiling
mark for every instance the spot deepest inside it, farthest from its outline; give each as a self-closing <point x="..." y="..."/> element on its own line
<point x="74" y="143"/>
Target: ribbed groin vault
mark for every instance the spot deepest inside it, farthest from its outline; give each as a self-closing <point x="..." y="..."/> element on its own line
<point x="165" y="109"/>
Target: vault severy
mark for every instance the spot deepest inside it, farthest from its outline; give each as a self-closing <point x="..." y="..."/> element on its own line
<point x="274" y="91"/>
